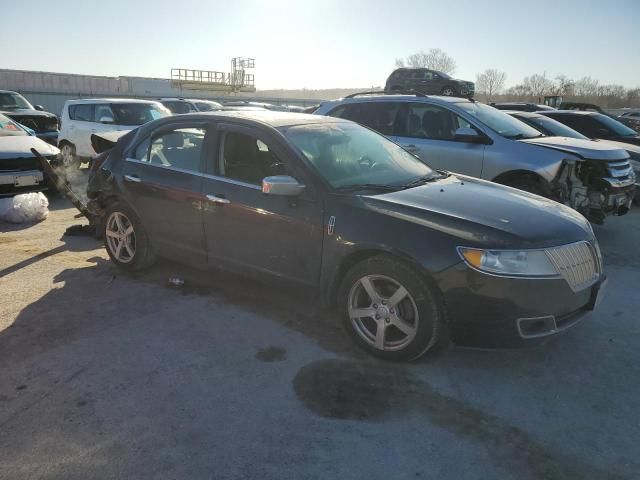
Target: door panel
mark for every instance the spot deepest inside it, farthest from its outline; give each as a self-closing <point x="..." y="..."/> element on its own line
<point x="167" y="194"/>
<point x="248" y="230"/>
<point x="430" y="135"/>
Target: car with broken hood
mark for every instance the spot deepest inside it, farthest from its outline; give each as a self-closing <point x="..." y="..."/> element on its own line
<point x="468" y="137"/>
<point x="19" y="109"/>
<point x="408" y="255"/>
<point x="82" y="118"/>
<point x="20" y="170"/>
<point x="551" y="127"/>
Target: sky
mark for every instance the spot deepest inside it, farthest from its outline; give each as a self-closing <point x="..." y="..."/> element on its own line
<point x="323" y="44"/>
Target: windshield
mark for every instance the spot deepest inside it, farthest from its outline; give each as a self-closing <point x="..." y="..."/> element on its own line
<point x="9" y="128"/>
<point x="13" y="101"/>
<point x="208" y="106"/>
<point x="137" y="113"/>
<point x="347" y="154"/>
<point x="617" y="127"/>
<point x="553" y="128"/>
<point x="500" y="122"/>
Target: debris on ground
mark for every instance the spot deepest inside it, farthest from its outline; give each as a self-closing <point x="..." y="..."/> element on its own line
<point x="24" y="208"/>
<point x="81" y="230"/>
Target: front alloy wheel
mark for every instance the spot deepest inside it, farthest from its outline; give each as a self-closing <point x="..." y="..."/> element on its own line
<point x="391" y="309"/>
<point x="68" y="156"/>
<point x="448" y="91"/>
<point x="383" y="312"/>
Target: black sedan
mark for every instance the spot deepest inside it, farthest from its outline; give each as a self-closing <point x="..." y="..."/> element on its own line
<point x="595" y="125"/>
<point x="410" y="256"/>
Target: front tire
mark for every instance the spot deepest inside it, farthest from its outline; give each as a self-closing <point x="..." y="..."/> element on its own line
<point x="390" y="310"/>
<point x="532" y="185"/>
<point x="125" y="238"/>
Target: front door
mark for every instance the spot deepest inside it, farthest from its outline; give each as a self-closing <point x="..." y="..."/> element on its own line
<point x="430" y="134"/>
<point x="248" y="230"/>
<point x="162" y="182"/>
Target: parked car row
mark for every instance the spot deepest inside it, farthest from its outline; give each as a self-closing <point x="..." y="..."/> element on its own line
<point x="471" y="138"/>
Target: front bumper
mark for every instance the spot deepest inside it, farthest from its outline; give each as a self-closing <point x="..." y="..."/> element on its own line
<point x="498" y="312"/>
<point x="17" y="182"/>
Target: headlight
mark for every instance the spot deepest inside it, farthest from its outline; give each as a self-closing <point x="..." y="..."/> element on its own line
<point x="517" y="263"/>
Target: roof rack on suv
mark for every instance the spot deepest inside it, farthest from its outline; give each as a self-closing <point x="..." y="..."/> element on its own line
<point x="388" y="92"/>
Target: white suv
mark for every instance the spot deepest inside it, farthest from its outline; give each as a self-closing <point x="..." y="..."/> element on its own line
<point x="189" y="105"/>
<point x="82" y="118"/>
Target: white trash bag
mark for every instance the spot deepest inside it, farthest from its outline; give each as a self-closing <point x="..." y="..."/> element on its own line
<point x="24" y="208"/>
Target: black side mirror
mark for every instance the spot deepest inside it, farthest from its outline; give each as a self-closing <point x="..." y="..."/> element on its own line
<point x="40" y="108"/>
<point x="466" y="134"/>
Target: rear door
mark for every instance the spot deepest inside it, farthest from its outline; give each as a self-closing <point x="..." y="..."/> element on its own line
<point x="163" y="182"/>
<point x="251" y="231"/>
<point x="80" y="127"/>
<point x="430" y="134"/>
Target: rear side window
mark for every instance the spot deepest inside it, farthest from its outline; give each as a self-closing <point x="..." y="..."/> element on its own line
<point x="179" y="148"/>
<point x="103" y="113"/>
<point x="82" y="112"/>
<point x="383" y="117"/>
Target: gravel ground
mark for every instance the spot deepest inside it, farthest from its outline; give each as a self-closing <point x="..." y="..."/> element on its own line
<point x="109" y="375"/>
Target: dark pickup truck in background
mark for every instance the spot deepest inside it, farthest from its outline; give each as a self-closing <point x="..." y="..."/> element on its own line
<point x="43" y="124"/>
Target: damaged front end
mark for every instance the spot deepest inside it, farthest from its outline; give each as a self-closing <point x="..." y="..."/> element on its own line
<point x="595" y="188"/>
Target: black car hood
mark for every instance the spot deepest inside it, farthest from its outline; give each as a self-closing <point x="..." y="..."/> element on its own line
<point x="485" y="213"/>
<point x="21" y="112"/>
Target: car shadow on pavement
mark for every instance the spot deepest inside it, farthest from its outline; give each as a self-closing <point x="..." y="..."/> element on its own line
<point x="71" y="244"/>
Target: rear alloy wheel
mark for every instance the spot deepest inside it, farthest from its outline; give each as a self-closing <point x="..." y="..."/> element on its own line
<point x="448" y="91"/>
<point x="390" y="310"/>
<point x="125" y="239"/>
<point x="68" y="156"/>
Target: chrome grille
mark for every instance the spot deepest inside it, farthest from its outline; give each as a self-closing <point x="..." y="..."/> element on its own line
<point x="577" y="263"/>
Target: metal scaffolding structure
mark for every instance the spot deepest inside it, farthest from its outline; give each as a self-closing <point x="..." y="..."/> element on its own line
<point x="237" y="80"/>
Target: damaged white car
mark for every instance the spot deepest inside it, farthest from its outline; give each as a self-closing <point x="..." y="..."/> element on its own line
<point x="20" y="170"/>
<point x="472" y="138"/>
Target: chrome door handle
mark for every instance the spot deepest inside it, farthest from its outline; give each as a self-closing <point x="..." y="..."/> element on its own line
<point x="132" y="178"/>
<point x="216" y="199"/>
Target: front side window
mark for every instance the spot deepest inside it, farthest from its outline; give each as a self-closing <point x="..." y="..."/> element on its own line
<point x="13" y="101"/>
<point x="247" y="159"/>
<point x="345" y="154"/>
<point x="9" y="128"/>
<point x="501" y="123"/>
<point x="433" y="122"/>
<point x="137" y="113"/>
<point x="180" y="148"/>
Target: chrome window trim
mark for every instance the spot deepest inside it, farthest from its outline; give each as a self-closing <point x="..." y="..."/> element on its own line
<point x="196" y="173"/>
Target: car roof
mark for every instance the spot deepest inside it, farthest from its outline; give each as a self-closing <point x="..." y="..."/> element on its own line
<point x="523" y="114"/>
<point x="266" y="117"/>
<point x="9" y="91"/>
<point x="574" y="112"/>
<point x="403" y="98"/>
<point x="110" y="100"/>
<point x="181" y="99"/>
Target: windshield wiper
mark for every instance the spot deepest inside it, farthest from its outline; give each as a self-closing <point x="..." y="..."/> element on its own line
<point x="367" y="186"/>
<point x="429" y="177"/>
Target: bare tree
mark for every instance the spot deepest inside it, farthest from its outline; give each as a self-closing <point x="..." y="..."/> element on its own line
<point x="562" y="86"/>
<point x="490" y="82"/>
<point x="435" y="59"/>
<point x="587" y="87"/>
<point x="538" y="85"/>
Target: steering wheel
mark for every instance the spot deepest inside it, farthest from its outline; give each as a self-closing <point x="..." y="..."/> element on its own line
<point x="365" y="160"/>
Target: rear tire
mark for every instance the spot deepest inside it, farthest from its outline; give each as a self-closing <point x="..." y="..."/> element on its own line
<point x="125" y="239"/>
<point x="448" y="92"/>
<point x="390" y="310"/>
